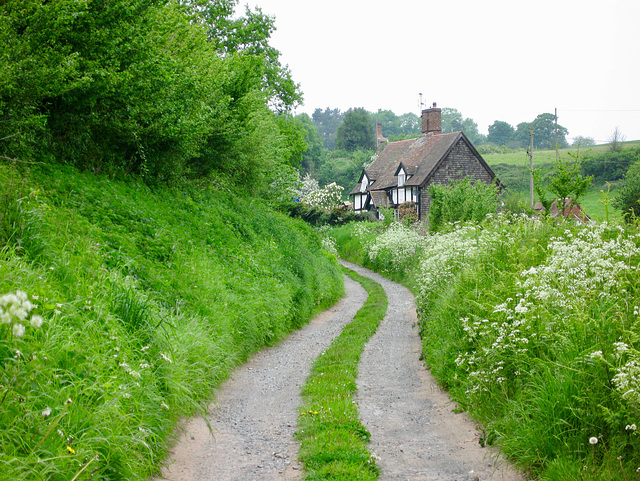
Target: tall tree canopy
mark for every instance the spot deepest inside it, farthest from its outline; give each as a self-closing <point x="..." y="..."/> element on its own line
<point x="327" y="122"/>
<point x="452" y="121"/>
<point x="545" y="133"/>
<point x="250" y="35"/>
<point x="312" y="156"/>
<point x="398" y="126"/>
<point x="500" y="133"/>
<point x="356" y="132"/>
<point x="145" y="87"/>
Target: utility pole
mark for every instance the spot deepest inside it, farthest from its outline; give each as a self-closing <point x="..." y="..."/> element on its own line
<point x="531" y="166"/>
<point x="555" y="116"/>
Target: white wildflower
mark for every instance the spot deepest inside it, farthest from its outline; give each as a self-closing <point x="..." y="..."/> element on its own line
<point x="18" y="329"/>
<point x="165" y="357"/>
<point x="36" y="321"/>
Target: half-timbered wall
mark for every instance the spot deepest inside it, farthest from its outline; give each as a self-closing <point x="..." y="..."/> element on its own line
<point x="400" y="195"/>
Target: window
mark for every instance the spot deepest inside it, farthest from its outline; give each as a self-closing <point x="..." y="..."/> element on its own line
<point x="401" y="178"/>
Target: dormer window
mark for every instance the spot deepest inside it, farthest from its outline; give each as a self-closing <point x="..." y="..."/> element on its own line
<point x="402" y="177"/>
<point x="364" y="184"/>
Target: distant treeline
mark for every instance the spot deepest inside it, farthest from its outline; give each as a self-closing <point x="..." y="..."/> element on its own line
<point x="340" y="143"/>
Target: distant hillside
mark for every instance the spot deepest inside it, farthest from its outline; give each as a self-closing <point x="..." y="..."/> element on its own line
<point x="512" y="167"/>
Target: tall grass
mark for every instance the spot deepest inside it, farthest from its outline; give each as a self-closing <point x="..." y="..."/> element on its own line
<point x="533" y="327"/>
<point x="149" y="298"/>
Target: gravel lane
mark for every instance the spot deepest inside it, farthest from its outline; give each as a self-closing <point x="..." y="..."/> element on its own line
<point x="255" y="413"/>
<point x="414" y="431"/>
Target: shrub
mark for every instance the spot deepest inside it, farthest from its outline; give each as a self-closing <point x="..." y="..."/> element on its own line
<point x="461" y="201"/>
<point x="628" y="198"/>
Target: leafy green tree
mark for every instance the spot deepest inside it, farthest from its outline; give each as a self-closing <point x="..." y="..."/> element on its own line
<point x="563" y="182"/>
<point x="580" y="141"/>
<point x="142" y="87"/>
<point x="122" y="83"/>
<point x="500" y="133"/>
<point x="356" y="131"/>
<point x="409" y="124"/>
<point x="313" y="155"/>
<point x="452" y="121"/>
<point x="250" y="35"/>
<point x="327" y="122"/>
<point x="343" y="168"/>
<point x="544" y="133"/>
<point x="398" y="126"/>
<point x="522" y="137"/>
<point x="628" y="197"/>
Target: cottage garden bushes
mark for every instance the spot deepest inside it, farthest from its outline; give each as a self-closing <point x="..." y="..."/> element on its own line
<point x="534" y="327"/>
<point x="121" y="307"/>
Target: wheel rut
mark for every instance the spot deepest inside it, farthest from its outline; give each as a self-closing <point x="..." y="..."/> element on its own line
<point x="415" y="434"/>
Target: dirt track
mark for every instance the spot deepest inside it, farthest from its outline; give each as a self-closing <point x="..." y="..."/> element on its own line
<point x="414" y="431"/>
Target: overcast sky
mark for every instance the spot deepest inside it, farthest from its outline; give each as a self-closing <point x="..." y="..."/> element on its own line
<point x="491" y="60"/>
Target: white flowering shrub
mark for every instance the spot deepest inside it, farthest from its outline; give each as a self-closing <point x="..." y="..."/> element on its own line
<point x="627" y="371"/>
<point x="534" y="326"/>
<point x="16" y="312"/>
<point x="286" y="184"/>
<point x="329" y="245"/>
<point x="329" y="197"/>
<point x="305" y="186"/>
<point x="581" y="266"/>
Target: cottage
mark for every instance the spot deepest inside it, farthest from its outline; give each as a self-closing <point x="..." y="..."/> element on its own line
<point x="404" y="170"/>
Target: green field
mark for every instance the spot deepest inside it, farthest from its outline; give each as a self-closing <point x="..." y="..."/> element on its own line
<point x="541" y="157"/>
<point x="512" y="168"/>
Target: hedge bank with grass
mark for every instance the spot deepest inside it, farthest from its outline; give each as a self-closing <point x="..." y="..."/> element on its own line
<point x="124" y="306"/>
<point x="533" y="327"/>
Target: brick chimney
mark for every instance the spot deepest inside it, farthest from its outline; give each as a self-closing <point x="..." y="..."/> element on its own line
<point x="431" y="123"/>
<point x="380" y="140"/>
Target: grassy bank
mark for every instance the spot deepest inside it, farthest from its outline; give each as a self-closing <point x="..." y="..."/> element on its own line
<point x="533" y="328"/>
<point x="145" y="300"/>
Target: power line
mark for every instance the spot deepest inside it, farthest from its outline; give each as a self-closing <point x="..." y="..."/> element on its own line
<point x="601" y="110"/>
